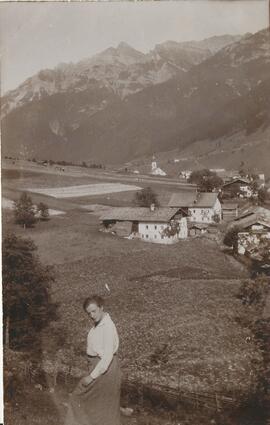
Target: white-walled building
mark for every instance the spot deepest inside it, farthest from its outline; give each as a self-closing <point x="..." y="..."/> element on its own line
<point x="200" y="207"/>
<point x="155" y="170"/>
<point x="158" y="225"/>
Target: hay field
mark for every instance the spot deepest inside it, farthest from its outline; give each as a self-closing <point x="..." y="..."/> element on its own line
<point x="85" y="190"/>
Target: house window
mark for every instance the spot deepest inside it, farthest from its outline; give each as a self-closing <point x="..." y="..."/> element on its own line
<point x="146" y="226"/>
<point x="155" y="227"/>
<point x="146" y="236"/>
<point x="155" y="236"/>
<point x="142" y="236"/>
<point x="162" y="236"/>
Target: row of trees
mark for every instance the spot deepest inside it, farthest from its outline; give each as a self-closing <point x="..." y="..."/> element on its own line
<point x="26" y="213"/>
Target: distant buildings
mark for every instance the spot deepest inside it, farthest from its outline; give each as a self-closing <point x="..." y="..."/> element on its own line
<point x="156" y="171"/>
<point x="185" y="174"/>
<point x="158" y="225"/>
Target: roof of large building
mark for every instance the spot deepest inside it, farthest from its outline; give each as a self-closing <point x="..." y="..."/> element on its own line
<point x="193" y="199"/>
<point x="139" y="214"/>
<point x="237" y="180"/>
<point x="261" y="212"/>
<point x="229" y="206"/>
<point x="252" y="216"/>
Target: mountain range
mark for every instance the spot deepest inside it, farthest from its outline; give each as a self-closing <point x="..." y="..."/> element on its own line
<point x="123" y="104"/>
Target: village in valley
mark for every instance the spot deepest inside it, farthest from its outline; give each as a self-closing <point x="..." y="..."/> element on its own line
<point x="203" y="202"/>
<point x="213" y="201"/>
<point x="135" y="167"/>
<point x="167" y="229"/>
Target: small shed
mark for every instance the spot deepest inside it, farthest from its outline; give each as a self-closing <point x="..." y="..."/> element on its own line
<point x="197" y="229"/>
<point x="229" y="211"/>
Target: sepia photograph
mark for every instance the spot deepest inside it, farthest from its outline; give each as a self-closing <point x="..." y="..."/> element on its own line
<point x="135" y="207"/>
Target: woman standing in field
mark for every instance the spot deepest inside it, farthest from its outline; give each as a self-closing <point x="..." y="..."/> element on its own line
<point x="96" y="399"/>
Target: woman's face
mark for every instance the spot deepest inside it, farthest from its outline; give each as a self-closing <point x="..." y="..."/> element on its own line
<point x="95" y="312"/>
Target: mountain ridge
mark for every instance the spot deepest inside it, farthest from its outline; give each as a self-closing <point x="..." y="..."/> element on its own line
<point x="123" y="69"/>
<point x="226" y="93"/>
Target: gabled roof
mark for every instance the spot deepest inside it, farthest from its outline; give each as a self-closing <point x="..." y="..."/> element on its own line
<point x="238" y="180"/>
<point x="260" y="212"/>
<point x="193" y="199"/>
<point x="192" y="225"/>
<point x="163" y="215"/>
<point x="250" y="221"/>
<point x="183" y="198"/>
<point x="229" y="206"/>
<point x="252" y="216"/>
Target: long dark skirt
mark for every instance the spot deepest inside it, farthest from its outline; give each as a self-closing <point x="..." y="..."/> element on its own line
<point x="99" y="402"/>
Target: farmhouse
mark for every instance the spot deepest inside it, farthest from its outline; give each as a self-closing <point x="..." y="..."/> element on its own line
<point x="255" y="230"/>
<point x="238" y="187"/>
<point x="159" y="225"/>
<point x="203" y="207"/>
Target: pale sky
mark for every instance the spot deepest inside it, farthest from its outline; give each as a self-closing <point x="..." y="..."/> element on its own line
<point x="37" y="36"/>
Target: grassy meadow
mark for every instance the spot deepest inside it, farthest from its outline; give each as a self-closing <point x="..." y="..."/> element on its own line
<point x="175" y="306"/>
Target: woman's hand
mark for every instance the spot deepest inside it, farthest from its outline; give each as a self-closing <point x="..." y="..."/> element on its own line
<point x="86" y="380"/>
<point x="83" y="384"/>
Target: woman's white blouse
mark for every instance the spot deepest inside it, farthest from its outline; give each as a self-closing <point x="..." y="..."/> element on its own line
<point x="102" y="341"/>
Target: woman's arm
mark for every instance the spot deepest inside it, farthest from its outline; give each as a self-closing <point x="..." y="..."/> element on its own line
<point x="107" y="355"/>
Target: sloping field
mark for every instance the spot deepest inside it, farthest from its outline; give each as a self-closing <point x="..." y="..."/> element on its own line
<point x="85" y="190"/>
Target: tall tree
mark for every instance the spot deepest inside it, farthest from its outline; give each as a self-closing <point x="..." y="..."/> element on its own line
<point x="146" y="197"/>
<point x="206" y="180"/>
<point x="231" y="238"/>
<point x="24" y="211"/>
<point x="27" y="306"/>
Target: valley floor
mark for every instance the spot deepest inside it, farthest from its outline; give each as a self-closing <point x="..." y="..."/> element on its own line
<point x="179" y="320"/>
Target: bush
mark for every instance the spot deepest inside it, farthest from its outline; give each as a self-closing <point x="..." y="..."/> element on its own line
<point x="43" y="211"/>
<point x="254" y="291"/>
